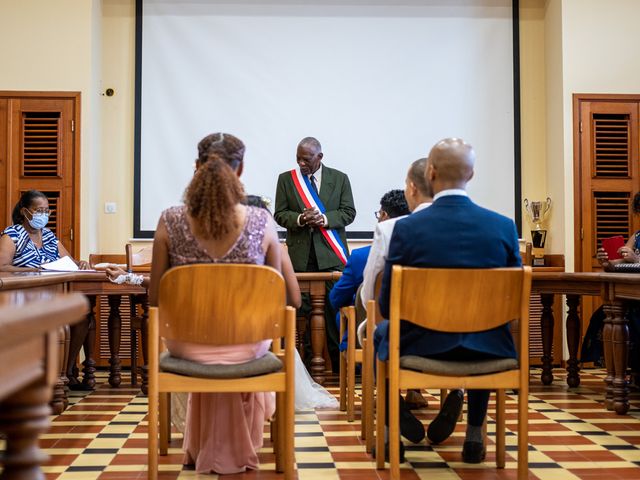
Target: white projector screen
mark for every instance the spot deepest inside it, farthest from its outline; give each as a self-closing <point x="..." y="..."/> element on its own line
<point x="377" y="82"/>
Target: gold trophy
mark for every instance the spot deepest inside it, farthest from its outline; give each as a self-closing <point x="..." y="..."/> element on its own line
<point x="537" y="213"/>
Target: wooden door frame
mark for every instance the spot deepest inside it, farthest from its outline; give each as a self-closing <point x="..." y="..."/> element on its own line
<point x="76" y="97"/>
<point x="578" y="98"/>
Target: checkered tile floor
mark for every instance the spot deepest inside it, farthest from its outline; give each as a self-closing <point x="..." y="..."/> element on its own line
<point x="102" y="435"/>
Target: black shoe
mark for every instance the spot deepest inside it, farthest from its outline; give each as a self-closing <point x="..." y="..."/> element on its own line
<point x="473" y="452"/>
<point x="410" y="427"/>
<point x="386" y="452"/>
<point x="445" y="422"/>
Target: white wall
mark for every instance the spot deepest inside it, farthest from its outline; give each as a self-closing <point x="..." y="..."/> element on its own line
<point x="599" y="55"/>
<point x="52" y="46"/>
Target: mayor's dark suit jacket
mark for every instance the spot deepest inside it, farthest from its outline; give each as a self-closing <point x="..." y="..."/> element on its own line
<point x="453" y="233"/>
<point x="335" y="193"/>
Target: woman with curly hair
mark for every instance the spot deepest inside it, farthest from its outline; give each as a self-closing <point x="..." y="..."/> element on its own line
<point x="223" y="431"/>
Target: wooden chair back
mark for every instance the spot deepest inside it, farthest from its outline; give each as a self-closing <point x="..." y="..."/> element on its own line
<point x="191" y="300"/>
<point x="140" y="261"/>
<point x="98" y="258"/>
<point x="459" y="300"/>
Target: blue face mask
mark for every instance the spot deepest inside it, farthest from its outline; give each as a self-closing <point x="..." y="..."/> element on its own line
<point x="38" y="220"/>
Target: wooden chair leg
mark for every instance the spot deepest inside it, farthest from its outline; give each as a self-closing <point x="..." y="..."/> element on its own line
<point x="153" y="438"/>
<point x="343" y="382"/>
<point x="523" y="431"/>
<point x="351" y="388"/>
<point x="443" y="396"/>
<point x="364" y="406"/>
<point x="165" y="421"/>
<point x="369" y="394"/>
<point x="288" y="434"/>
<point x="500" y="428"/>
<point x="278" y="443"/>
<point x="381" y="377"/>
<point x="394" y="425"/>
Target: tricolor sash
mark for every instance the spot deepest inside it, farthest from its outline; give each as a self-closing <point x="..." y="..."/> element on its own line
<point x="310" y="199"/>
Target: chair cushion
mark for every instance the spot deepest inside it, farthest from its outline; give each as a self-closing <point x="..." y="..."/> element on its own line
<point x="269" y="363"/>
<point x="454" y="368"/>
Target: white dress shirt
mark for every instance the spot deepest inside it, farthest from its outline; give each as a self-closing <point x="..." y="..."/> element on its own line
<point x="318" y="176"/>
<point x="378" y="254"/>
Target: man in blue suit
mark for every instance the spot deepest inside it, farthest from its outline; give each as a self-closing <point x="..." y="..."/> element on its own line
<point x="453" y="233"/>
<point x="392" y="205"/>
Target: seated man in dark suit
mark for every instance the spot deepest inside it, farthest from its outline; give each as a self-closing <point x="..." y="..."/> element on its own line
<point x="453" y="233"/>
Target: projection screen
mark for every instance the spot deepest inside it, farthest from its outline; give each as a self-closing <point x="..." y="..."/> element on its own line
<point x="377" y="82"/>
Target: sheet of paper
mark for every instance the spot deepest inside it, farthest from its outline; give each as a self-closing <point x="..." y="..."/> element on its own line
<point x="64" y="264"/>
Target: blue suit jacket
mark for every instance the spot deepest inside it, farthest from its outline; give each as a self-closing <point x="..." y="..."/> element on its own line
<point x="453" y="233"/>
<point x="344" y="291"/>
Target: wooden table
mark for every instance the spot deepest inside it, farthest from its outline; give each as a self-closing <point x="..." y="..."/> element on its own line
<point x="313" y="283"/>
<point x="93" y="284"/>
<point x="29" y="322"/>
<point x="82" y="334"/>
<point x="615" y="289"/>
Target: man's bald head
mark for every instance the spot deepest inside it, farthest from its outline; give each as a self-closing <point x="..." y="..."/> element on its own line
<point x="450" y="164"/>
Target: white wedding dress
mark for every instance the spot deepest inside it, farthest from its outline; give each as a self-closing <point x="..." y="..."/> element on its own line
<point x="309" y="395"/>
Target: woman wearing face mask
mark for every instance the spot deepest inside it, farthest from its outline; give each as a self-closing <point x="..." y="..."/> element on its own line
<point x="27" y="244"/>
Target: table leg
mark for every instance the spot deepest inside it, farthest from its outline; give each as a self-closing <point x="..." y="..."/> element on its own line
<point x="133" y="303"/>
<point x="89" y="364"/>
<point x="114" y="328"/>
<point x="317" y="337"/>
<point x="65" y="366"/>
<point x="59" y="395"/>
<point x="573" y="340"/>
<point x="144" y="338"/>
<point x="546" y="326"/>
<point x="607" y="345"/>
<point x="23" y="416"/>
<point x="620" y="348"/>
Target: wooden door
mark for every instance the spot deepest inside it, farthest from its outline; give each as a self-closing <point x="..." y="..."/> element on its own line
<point x="607" y="176"/>
<point x="39" y="149"/>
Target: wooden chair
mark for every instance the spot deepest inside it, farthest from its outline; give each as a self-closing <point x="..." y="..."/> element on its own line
<point x="139" y="262"/>
<point x="248" y="304"/>
<point x="463" y="301"/>
<point x="367" y="413"/>
<point x="350" y="318"/>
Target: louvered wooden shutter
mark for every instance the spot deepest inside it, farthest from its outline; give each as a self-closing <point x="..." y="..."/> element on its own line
<point x="40" y="144"/>
<point x="41" y="154"/>
<point x="608" y="176"/>
<point x="611" y="147"/>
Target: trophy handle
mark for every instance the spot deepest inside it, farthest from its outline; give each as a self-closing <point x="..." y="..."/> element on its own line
<point x="547" y="205"/>
<point x="526" y="204"/>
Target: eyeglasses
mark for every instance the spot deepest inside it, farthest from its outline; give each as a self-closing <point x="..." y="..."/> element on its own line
<point x="378" y="214"/>
<point x="41" y="210"/>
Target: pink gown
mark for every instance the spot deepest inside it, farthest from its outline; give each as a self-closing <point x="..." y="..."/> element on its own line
<point x="223" y="430"/>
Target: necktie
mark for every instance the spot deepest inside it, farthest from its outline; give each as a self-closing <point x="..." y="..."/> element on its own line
<point x="313" y="183"/>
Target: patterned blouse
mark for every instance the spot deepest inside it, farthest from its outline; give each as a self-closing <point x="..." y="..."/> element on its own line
<point x="27" y="253"/>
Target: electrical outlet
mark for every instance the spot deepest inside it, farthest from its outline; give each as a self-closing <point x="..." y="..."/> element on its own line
<point x="110" y="207"/>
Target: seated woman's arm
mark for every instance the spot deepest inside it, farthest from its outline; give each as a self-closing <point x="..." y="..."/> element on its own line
<point x="159" y="261"/>
<point x="7" y="251"/>
<point x="628" y="253"/>
<point x="62" y="252"/>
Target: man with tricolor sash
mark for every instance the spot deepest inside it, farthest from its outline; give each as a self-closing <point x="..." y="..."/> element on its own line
<point x="315" y="204"/>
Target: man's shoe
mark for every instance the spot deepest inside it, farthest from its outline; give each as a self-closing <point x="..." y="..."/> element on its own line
<point x="410" y="427"/>
<point x="473" y="452"/>
<point x="386" y="452"/>
<point x="445" y="422"/>
<point x="415" y="401"/>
